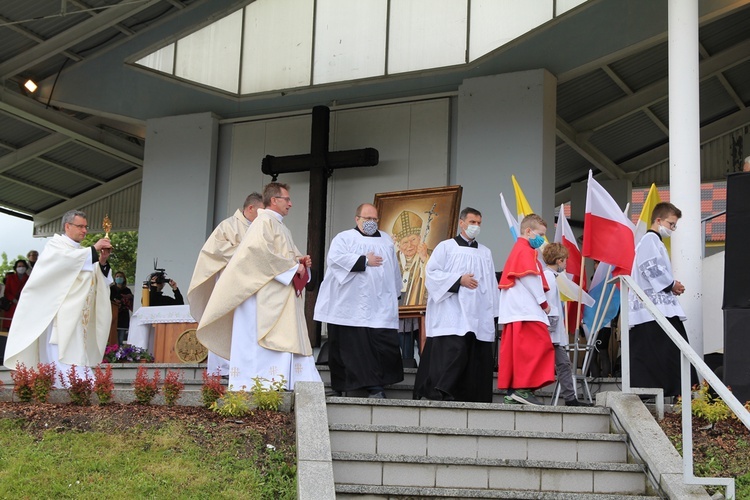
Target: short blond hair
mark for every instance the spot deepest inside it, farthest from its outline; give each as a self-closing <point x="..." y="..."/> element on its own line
<point x="532" y="221"/>
<point x="554" y="251"/>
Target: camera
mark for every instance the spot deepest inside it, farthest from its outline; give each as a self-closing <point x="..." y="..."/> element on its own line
<point x="159" y="273"/>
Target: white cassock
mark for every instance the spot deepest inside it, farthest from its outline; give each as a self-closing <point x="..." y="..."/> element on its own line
<point x="450" y="313"/>
<point x="64" y="313"/>
<point x="558" y="335"/>
<point x="365" y="299"/>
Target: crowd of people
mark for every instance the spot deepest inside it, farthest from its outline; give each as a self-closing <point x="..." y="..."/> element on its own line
<point x="246" y="295"/>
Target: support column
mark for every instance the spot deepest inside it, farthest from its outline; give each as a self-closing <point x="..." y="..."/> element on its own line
<point x="506" y="126"/>
<point x="177" y="195"/>
<point x="684" y="160"/>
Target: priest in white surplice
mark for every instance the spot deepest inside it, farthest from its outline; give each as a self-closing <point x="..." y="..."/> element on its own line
<point x="254" y="317"/>
<point x="64" y="313"/>
<point x="359" y="300"/>
<point x="462" y="301"/>
<point x="213" y="258"/>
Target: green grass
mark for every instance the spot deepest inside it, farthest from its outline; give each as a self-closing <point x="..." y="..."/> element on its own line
<point x="158" y="462"/>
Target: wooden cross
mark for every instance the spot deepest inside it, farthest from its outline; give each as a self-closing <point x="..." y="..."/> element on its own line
<point x="320" y="163"/>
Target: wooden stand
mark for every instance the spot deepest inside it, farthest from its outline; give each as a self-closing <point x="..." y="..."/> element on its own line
<point x="113" y="326"/>
<point x="165" y="337"/>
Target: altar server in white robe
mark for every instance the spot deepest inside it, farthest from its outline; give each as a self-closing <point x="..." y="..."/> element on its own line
<point x="64" y="313"/>
<point x="359" y="300"/>
<point x="654" y="358"/>
<point x="255" y="315"/>
<point x="212" y="259"/>
<point x="462" y="303"/>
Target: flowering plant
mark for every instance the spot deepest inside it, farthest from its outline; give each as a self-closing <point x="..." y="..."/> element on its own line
<point x="126" y="353"/>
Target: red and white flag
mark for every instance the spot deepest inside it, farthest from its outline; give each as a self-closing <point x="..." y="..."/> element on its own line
<point x="564" y="234"/>
<point x="607" y="234"/>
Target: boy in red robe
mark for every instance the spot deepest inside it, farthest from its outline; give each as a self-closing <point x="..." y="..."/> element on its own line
<point x="527" y="358"/>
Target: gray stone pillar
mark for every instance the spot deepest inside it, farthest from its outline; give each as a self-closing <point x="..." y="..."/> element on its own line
<point x="177" y="194"/>
<point x="506" y="126"/>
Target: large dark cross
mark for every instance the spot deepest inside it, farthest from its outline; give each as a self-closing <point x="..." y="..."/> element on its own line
<point x="321" y="163"/>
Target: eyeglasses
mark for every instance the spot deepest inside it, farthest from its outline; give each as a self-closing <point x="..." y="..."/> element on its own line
<point x="672" y="225"/>
<point x="287" y="198"/>
<point x="79" y="226"/>
<point x="373" y="219"/>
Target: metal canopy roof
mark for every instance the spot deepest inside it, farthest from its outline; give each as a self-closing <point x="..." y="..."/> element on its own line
<point x="81" y="136"/>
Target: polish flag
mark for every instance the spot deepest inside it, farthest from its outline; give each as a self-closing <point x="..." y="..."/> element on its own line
<point x="564" y="234"/>
<point x="607" y="234"/>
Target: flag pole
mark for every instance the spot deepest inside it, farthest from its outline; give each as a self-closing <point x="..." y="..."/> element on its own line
<point x="598" y="316"/>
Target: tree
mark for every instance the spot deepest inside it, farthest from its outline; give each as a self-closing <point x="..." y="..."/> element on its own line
<point x="124" y="251"/>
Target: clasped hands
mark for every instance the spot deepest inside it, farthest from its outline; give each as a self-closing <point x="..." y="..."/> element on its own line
<point x="304" y="262"/>
<point x="678" y="288"/>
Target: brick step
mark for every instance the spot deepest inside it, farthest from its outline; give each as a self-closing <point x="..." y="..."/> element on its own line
<point x="349" y="491"/>
<point x="457" y="415"/>
<point x="478" y="443"/>
<point x="490" y="474"/>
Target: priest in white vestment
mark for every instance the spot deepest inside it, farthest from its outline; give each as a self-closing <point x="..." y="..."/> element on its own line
<point x="213" y="258"/>
<point x="255" y="316"/>
<point x="64" y="313"/>
<point x="358" y="299"/>
<point x="462" y="301"/>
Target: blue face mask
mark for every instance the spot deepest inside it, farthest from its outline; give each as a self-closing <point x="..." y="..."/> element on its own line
<point x="119" y="280"/>
<point x="536" y="241"/>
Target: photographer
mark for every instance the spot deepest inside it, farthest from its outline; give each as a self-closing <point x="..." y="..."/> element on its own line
<point x="156" y="297"/>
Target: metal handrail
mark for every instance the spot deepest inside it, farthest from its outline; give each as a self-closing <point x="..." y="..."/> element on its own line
<point x="688" y="357"/>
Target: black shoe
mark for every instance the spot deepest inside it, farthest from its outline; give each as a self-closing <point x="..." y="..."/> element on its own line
<point x="575" y="402"/>
<point x="377" y="395"/>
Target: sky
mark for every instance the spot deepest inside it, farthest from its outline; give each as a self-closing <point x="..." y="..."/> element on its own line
<point x="17" y="236"/>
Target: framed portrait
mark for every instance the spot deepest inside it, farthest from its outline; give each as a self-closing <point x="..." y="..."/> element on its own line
<point x="417" y="220"/>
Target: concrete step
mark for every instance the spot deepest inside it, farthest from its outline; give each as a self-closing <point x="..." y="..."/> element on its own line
<point x="361" y="492"/>
<point x="457" y="415"/>
<point x="478" y="443"/>
<point x="489" y="474"/>
<point x="405" y="388"/>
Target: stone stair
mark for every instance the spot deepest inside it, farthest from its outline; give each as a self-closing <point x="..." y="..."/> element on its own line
<point x="420" y="449"/>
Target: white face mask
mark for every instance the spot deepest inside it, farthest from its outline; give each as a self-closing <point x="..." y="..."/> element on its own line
<point x="472" y="231"/>
<point x="21" y="270"/>
<point x="665" y="232"/>
<point x="369" y="227"/>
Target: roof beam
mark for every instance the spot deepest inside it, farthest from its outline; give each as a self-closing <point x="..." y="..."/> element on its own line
<point x="588" y="151"/>
<point x="71" y="170"/>
<point x="724" y="82"/>
<point x="72" y="36"/>
<point x="95" y="138"/>
<point x="33" y="36"/>
<point x="34" y="186"/>
<point x="87" y="8"/>
<point x="32" y="150"/>
<point x="658" y="91"/>
<point x="90" y="196"/>
<point x="708" y="133"/>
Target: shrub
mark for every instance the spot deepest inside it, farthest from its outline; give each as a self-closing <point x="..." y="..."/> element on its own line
<point x="212" y="388"/>
<point x="104" y="387"/>
<point x="126" y="353"/>
<point x="145" y="389"/>
<point x="42" y="381"/>
<point x="232" y="404"/>
<point x="22" y="382"/>
<point x="268" y="398"/>
<point x="708" y="406"/>
<point x="173" y="386"/>
<point x="79" y="389"/>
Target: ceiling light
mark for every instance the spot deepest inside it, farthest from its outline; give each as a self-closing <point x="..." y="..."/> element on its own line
<point x="30" y="86"/>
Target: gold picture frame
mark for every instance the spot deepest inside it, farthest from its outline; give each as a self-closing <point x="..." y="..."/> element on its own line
<point x="429" y="215"/>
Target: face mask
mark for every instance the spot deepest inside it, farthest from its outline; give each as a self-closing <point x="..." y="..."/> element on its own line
<point x="21" y="270"/>
<point x="665" y="232"/>
<point x="369" y="227"/>
<point x="536" y="242"/>
<point x="119" y="280"/>
<point x="472" y="231"/>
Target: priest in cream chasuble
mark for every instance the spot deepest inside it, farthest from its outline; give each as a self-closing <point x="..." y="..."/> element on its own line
<point x="254" y="317"/>
<point x="64" y="313"/>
